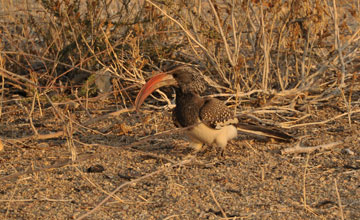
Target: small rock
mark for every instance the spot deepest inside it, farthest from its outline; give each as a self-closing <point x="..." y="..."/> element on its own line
<point x="95" y="169"/>
<point x="348" y="151"/>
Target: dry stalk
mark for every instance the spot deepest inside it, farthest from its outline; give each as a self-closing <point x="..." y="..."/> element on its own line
<point x="306" y="207"/>
<point x="266" y="50"/>
<point x="2" y="92"/>
<point x="69" y="131"/>
<point x="11" y="199"/>
<point x="237" y="39"/>
<point x="304" y="181"/>
<point x="283" y="81"/>
<point x="37" y="137"/>
<point x="32" y="111"/>
<point x="218" y="204"/>
<point x="338" y="44"/>
<point x="227" y="49"/>
<point x="320" y="122"/>
<point x="305" y="54"/>
<point x="32" y="200"/>
<point x="341" y="58"/>
<point x="341" y="212"/>
<point x="2" y="66"/>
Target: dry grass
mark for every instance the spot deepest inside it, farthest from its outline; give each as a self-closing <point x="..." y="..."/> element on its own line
<point x="293" y="64"/>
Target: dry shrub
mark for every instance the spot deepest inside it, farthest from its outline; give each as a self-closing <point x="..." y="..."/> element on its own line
<point x="247" y="48"/>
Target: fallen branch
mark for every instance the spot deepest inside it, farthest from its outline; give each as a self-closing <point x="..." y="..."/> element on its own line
<point x="302" y="149"/>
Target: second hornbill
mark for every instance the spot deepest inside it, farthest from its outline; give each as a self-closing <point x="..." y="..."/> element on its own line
<point x="210" y="122"/>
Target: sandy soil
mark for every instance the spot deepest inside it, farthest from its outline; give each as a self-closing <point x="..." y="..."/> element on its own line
<point x="66" y="178"/>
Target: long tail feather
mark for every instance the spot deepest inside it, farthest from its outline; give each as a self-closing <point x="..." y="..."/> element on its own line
<point x="262" y="131"/>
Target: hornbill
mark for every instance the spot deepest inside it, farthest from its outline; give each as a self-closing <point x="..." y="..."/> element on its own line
<point x="208" y="120"/>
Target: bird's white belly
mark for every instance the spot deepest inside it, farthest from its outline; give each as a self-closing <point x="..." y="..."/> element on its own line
<point x="202" y="134"/>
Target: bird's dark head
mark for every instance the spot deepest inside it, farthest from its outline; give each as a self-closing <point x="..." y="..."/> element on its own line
<point x="187" y="79"/>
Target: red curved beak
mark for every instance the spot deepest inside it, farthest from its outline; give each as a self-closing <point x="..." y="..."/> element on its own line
<point x="155" y="82"/>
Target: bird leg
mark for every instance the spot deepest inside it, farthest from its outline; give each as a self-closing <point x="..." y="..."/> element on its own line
<point x="197" y="146"/>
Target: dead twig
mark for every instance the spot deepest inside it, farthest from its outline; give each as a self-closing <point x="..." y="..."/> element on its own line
<point x="339" y="201"/>
<point x="32" y="200"/>
<point x="37" y="137"/>
<point x="217" y="203"/>
<point x="227" y="49"/>
<point x="302" y="149"/>
<point x="304" y="181"/>
<point x="306" y="206"/>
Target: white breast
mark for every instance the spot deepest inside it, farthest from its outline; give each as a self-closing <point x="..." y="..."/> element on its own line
<point x="202" y="134"/>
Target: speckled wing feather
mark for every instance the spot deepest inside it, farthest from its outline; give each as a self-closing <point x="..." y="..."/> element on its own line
<point x="215" y="114"/>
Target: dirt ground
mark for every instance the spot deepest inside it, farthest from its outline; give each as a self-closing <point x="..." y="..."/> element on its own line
<point x="69" y="176"/>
